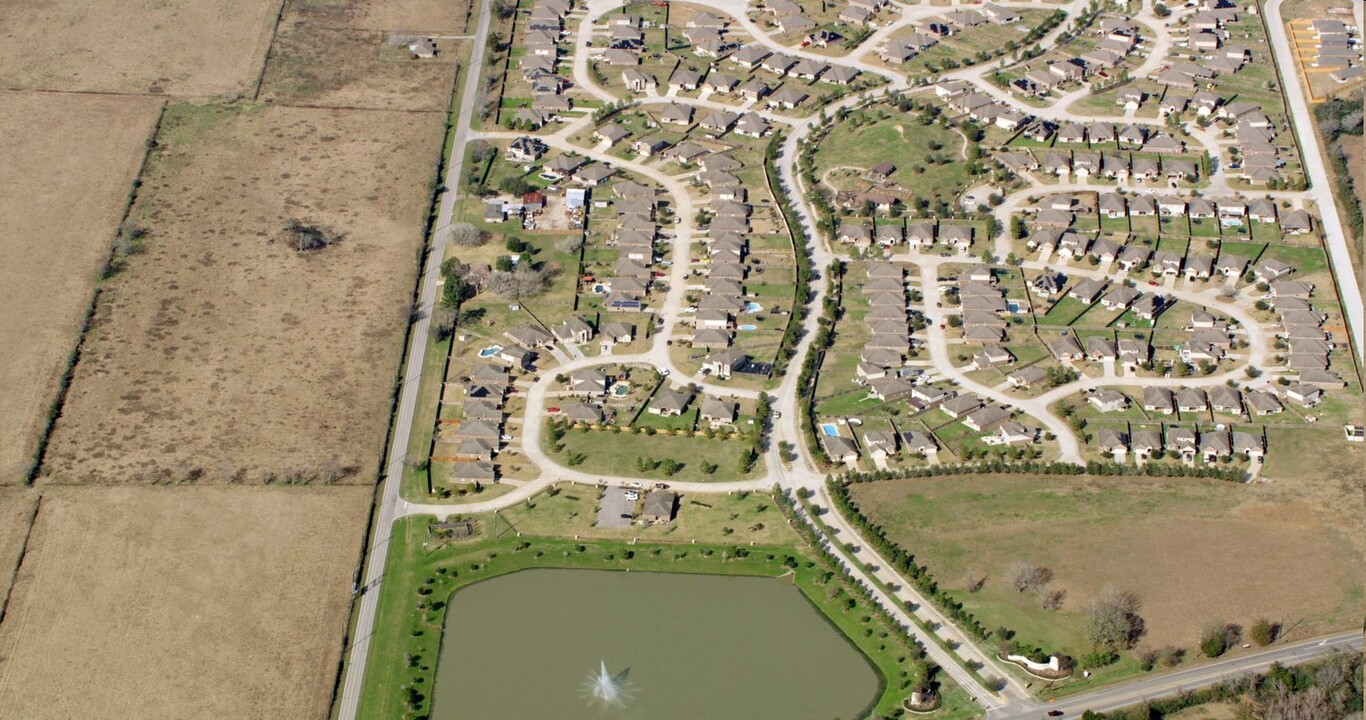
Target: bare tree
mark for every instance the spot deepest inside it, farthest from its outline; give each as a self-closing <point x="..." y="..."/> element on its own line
<point x="479" y="150"/>
<point x="1312" y="704"/>
<point x="973" y="580"/>
<point x="1052" y="599"/>
<point x="227" y="472"/>
<point x="569" y="244"/>
<point x="331" y="471"/>
<point x="1112" y="621"/>
<point x="520" y="282"/>
<point x="467" y="235"/>
<point x="1028" y="576"/>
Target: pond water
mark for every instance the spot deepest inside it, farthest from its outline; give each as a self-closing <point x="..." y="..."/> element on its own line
<point x="525" y="645"/>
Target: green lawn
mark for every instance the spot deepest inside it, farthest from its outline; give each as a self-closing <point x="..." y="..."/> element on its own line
<point x="415" y="484"/>
<point x="903" y="140"/>
<point x="612" y="453"/>
<point x="741" y="518"/>
<point x="420" y="580"/>
<point x="1064" y="313"/>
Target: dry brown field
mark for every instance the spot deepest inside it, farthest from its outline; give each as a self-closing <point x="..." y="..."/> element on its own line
<point x="1193" y="550"/>
<point x="185" y="48"/>
<point x="442" y="17"/>
<point x="221" y="353"/>
<point x="317" y="65"/>
<point x="16" y="512"/>
<point x="67" y="164"/>
<point x="192" y="602"/>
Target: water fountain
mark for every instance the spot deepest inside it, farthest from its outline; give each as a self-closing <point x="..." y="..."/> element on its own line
<point x="606" y="688"/>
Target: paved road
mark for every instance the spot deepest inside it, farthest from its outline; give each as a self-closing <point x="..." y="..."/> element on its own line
<point x="1321" y="187"/>
<point x="1012" y="702"/>
<point x="389" y="504"/>
<point x="1173" y="683"/>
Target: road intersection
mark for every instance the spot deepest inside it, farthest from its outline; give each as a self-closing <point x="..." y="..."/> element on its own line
<point x="945" y="644"/>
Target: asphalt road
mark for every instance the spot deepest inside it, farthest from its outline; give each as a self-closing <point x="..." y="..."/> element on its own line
<point x="390" y="502"/>
<point x="1320" y="186"/>
<point x="1011" y="703"/>
<point x="1180" y="681"/>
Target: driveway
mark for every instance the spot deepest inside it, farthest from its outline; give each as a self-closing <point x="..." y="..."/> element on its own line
<point x="615" y="511"/>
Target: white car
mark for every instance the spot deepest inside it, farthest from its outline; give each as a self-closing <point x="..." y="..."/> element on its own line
<point x="632" y="496"/>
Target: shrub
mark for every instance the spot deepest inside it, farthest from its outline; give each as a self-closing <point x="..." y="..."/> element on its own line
<point x="1263" y="632"/>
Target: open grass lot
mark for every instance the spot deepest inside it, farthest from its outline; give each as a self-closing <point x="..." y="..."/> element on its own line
<point x="220" y="351"/>
<point x="900" y="138"/>
<point x="428" y="574"/>
<point x="734" y="518"/>
<point x="613" y="453"/>
<point x="431" y="16"/>
<point x="67" y="163"/>
<point x="1193" y="550"/>
<point x="188" y="48"/>
<point x="312" y="63"/>
<point x="192" y="602"/>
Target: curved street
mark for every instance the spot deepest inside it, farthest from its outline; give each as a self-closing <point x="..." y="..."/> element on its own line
<point x="946" y="644"/>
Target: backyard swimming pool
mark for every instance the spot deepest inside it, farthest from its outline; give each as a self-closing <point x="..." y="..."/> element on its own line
<point x="490" y="351"/>
<point x="830" y="429"/>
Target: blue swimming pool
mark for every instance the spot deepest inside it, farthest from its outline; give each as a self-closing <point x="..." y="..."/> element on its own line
<point x="490" y="351"/>
<point x="830" y="429"/>
<point x="753" y="307"/>
<point x="749" y="327"/>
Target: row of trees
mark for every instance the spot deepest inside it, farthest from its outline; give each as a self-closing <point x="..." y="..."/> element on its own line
<point x="1338" y="117"/>
<point x="923" y="670"/>
<point x="801" y="253"/>
<point x="1037" y="467"/>
<point x="825" y="337"/>
<point x="919" y="575"/>
<point x="1322" y="690"/>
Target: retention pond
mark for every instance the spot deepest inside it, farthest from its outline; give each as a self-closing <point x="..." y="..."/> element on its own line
<point x="681" y="647"/>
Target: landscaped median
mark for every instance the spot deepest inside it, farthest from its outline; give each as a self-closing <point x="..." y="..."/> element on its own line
<point x="424" y="571"/>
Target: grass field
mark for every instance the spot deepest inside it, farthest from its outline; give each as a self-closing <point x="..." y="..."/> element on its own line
<point x="901" y="139"/>
<point x="433" y="16"/>
<point x="221" y="351"/>
<point x="735" y="518"/>
<point x="421" y="572"/>
<point x="182" y="602"/>
<point x="612" y="453"/>
<point x="188" y="48"/>
<point x="16" y="514"/>
<point x="315" y="62"/>
<point x="67" y="163"/>
<point x="1193" y="550"/>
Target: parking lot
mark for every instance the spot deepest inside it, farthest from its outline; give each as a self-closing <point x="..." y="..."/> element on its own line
<point x="614" y="505"/>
